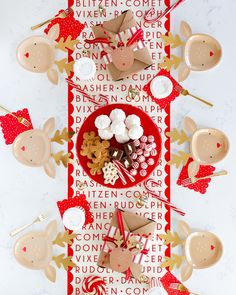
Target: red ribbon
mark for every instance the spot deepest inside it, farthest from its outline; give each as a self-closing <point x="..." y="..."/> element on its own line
<point x="137" y="36"/>
<point x="121" y="226"/>
<point x="97" y="40"/>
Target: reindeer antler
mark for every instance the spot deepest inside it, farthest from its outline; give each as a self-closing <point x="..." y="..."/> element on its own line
<point x="63" y="65"/>
<point x="118" y="239"/>
<point x="174" y="41"/>
<point x="64" y="238"/>
<point x="66" y="262"/>
<point x="178" y="159"/>
<point x="63" y="135"/>
<point x="171" y="262"/>
<point x="64" y="45"/>
<point x="179" y="136"/>
<point x="171" y="238"/>
<point x="168" y="63"/>
<point x="60" y="157"/>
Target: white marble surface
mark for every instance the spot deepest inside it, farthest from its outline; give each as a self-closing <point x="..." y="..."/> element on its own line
<point x="25" y="193"/>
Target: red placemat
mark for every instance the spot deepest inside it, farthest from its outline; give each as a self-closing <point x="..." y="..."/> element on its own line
<point x="201" y="185"/>
<point x="11" y="128"/>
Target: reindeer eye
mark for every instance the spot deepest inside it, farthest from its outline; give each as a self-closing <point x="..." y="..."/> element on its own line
<point x="34" y="67"/>
<point x="211" y="157"/>
<point x="209" y="133"/>
<point x="204" y="41"/>
<point x="32" y="261"/>
<point x="32" y="238"/>
<point x="35" y="44"/>
<point x="31" y="160"/>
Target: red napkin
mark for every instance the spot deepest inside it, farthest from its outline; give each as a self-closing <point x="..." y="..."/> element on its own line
<point x="11" y="128"/>
<point x="164" y="102"/>
<point x="68" y="26"/>
<point x="169" y="279"/>
<point x="201" y="185"/>
<point x="76" y="202"/>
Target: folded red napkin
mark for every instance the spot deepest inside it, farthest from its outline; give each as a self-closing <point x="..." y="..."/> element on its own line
<point x="164" y="102"/>
<point x="11" y="128"/>
<point x="169" y="279"/>
<point x="69" y="26"/>
<point x="201" y="185"/>
<point x="77" y="202"/>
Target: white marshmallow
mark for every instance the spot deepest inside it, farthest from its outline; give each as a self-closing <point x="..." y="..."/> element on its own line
<point x="117" y="114"/>
<point x="102" y="122"/>
<point x="123" y="138"/>
<point x="132" y="120"/>
<point x="135" y="132"/>
<point x="105" y="134"/>
<point x="118" y="127"/>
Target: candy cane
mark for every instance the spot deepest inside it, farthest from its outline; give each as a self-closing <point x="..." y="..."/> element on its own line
<point x="102" y="98"/>
<point x="121" y="175"/>
<point x="151" y="11"/>
<point x="125" y="170"/>
<point x="151" y="182"/>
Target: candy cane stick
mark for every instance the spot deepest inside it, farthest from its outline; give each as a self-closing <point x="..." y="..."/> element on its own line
<point x="121" y="175"/>
<point x="152" y="182"/>
<point x="151" y="11"/>
<point x="125" y="170"/>
<point x="102" y="98"/>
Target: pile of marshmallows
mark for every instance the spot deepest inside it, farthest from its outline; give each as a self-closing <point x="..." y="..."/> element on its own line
<point x="118" y="125"/>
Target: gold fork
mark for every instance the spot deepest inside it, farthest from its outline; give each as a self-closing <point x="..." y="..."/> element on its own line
<point x="39" y="218"/>
<point x="185" y="92"/>
<point x="192" y="180"/>
<point x="21" y="120"/>
<point x="63" y="14"/>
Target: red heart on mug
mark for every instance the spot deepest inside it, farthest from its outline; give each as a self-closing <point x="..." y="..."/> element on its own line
<point x="212" y="247"/>
<point x="23" y="148"/>
<point x="218" y="145"/>
<point x="211" y="53"/>
<point x="27" y="55"/>
<point x="24" y="249"/>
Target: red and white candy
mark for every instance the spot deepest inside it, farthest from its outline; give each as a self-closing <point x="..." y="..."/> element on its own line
<point x="144" y="165"/>
<point x="143" y="139"/>
<point x="150" y="161"/>
<point x="134" y="172"/>
<point x="154" y="152"/>
<point x="94" y="285"/>
<point x="135" y="165"/>
<point x="141" y="159"/>
<point x="143" y="172"/>
<point x="151" y="138"/>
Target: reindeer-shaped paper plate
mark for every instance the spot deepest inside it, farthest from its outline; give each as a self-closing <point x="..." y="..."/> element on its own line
<point x="207" y="146"/>
<point x="34" y="250"/>
<point x="201" y="250"/>
<point x="201" y="52"/>
<point x="37" y="54"/>
<point x="33" y="147"/>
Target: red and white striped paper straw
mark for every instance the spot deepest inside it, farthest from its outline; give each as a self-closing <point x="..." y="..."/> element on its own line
<point x="103" y="100"/>
<point x="151" y="182"/>
<point x="151" y="11"/>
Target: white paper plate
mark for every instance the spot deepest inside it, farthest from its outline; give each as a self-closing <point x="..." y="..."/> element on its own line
<point x="161" y="87"/>
<point x="73" y="218"/>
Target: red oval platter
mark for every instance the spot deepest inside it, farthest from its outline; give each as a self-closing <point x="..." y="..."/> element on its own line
<point x="150" y="128"/>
